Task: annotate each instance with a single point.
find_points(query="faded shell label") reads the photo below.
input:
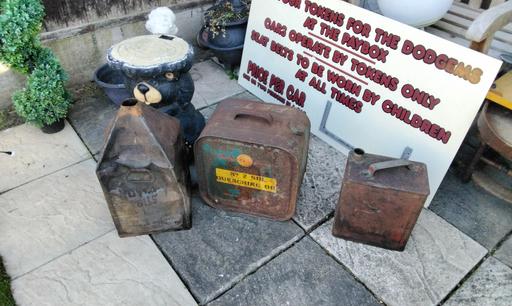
(246, 180)
(244, 160)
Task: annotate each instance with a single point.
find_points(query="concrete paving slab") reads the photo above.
(212, 83)
(321, 185)
(208, 111)
(436, 259)
(473, 211)
(504, 253)
(51, 216)
(222, 248)
(490, 285)
(198, 101)
(36, 154)
(106, 271)
(302, 275)
(246, 95)
(90, 116)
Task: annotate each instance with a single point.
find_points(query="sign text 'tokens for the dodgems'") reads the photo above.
(365, 80)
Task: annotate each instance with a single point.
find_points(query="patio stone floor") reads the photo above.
(60, 246)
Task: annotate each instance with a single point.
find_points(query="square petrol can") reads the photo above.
(380, 200)
(143, 173)
(251, 158)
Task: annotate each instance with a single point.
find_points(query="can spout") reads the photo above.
(358, 154)
(131, 106)
(129, 103)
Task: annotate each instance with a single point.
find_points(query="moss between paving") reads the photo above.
(6, 298)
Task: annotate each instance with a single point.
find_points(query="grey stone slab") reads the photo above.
(504, 253)
(321, 185)
(50, 216)
(90, 116)
(302, 275)
(475, 212)
(222, 248)
(106, 271)
(212, 84)
(246, 95)
(436, 259)
(36, 154)
(198, 101)
(490, 285)
(208, 111)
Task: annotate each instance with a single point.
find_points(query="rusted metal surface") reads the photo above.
(143, 172)
(495, 128)
(251, 158)
(380, 200)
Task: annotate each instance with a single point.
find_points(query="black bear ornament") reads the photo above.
(156, 70)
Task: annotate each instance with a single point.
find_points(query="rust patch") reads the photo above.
(380, 200)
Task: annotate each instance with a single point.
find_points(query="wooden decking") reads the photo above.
(454, 24)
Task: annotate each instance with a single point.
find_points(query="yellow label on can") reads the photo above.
(246, 180)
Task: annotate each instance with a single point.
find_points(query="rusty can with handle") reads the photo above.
(143, 172)
(380, 200)
(251, 158)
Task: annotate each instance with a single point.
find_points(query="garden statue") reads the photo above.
(155, 70)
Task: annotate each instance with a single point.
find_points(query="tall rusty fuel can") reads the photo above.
(143, 172)
(380, 200)
(251, 158)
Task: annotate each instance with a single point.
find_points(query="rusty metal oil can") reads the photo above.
(380, 200)
(143, 172)
(251, 158)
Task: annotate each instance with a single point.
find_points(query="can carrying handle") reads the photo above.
(267, 117)
(387, 165)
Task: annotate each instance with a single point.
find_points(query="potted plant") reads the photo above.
(225, 24)
(45, 101)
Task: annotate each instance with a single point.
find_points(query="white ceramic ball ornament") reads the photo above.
(416, 13)
(162, 21)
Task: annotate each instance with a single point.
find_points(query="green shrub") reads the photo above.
(45, 99)
(6, 298)
(20, 24)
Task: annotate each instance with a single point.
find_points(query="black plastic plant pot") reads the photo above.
(54, 127)
(233, 34)
(112, 83)
(229, 56)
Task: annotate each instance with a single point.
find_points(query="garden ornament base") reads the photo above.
(156, 71)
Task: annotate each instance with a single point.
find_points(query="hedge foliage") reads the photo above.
(45, 99)
(20, 24)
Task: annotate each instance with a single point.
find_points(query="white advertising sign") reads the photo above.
(365, 80)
